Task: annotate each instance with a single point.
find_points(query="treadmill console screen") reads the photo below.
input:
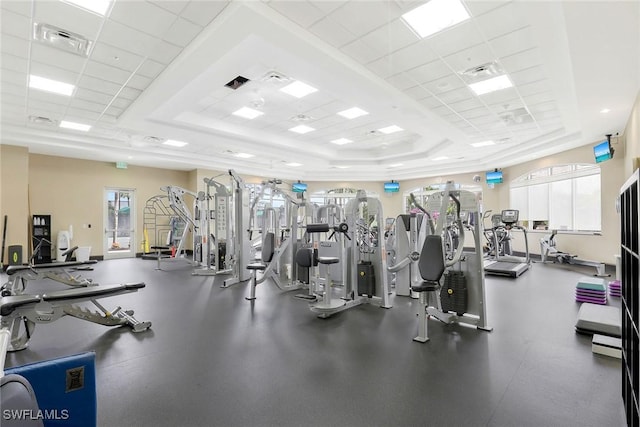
(510, 216)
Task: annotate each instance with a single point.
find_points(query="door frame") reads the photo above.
(131, 253)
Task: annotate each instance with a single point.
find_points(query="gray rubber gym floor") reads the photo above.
(214, 359)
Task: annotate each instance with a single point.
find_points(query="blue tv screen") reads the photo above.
(299, 187)
(603, 151)
(494, 177)
(391, 187)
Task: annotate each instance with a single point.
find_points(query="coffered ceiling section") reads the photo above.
(318, 90)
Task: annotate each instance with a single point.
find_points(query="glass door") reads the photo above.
(119, 223)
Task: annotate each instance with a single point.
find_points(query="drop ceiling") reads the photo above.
(156, 70)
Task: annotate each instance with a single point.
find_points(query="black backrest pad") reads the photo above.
(431, 262)
(268, 247)
(304, 257)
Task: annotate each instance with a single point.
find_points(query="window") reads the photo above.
(422, 194)
(563, 197)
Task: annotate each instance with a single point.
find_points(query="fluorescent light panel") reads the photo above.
(298, 89)
(174, 143)
(293, 164)
(352, 113)
(482, 144)
(435, 16)
(74, 126)
(53, 86)
(247, 113)
(97, 6)
(396, 165)
(302, 129)
(341, 141)
(491, 85)
(390, 129)
(244, 155)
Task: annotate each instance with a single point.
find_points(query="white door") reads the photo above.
(119, 223)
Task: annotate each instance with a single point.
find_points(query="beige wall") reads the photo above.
(14, 190)
(72, 192)
(632, 140)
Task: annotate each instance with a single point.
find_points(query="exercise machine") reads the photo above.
(508, 265)
(451, 284)
(238, 249)
(501, 237)
(176, 197)
(549, 253)
(361, 260)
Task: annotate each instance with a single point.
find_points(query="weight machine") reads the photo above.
(238, 249)
(550, 254)
(177, 203)
(460, 297)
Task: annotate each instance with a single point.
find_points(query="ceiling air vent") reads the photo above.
(39, 120)
(515, 117)
(275, 77)
(482, 71)
(61, 39)
(153, 139)
(237, 82)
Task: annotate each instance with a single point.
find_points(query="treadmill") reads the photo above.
(508, 265)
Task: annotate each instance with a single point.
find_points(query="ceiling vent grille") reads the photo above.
(482, 71)
(40, 120)
(237, 82)
(515, 117)
(275, 77)
(61, 39)
(154, 139)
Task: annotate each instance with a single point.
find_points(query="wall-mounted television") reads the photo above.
(603, 151)
(299, 187)
(494, 177)
(391, 187)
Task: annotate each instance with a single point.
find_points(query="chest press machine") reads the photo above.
(461, 298)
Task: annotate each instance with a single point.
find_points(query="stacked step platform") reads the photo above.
(592, 290)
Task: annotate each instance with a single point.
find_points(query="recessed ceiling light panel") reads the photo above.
(244, 155)
(390, 129)
(491, 85)
(247, 113)
(49, 85)
(482, 144)
(293, 164)
(75, 126)
(435, 16)
(174, 143)
(96, 6)
(352, 113)
(302, 129)
(341, 141)
(298, 89)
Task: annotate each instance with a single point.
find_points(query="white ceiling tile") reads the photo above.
(68, 17)
(85, 116)
(455, 39)
(444, 84)
(143, 16)
(456, 95)
(174, 7)
(477, 8)
(328, 6)
(139, 82)
(107, 54)
(15, 24)
(15, 46)
(363, 17)
(499, 96)
(429, 72)
(417, 92)
(87, 105)
(55, 73)
(14, 78)
(91, 95)
(40, 102)
(521, 60)
(501, 20)
(9, 88)
(98, 85)
(126, 38)
(466, 105)
(534, 88)
(401, 81)
(506, 105)
(14, 63)
(203, 12)
(362, 51)
(384, 67)
(301, 12)
(130, 93)
(121, 103)
(151, 69)
(16, 100)
(332, 32)
(471, 57)
(164, 52)
(182, 32)
(391, 37)
(529, 75)
(114, 111)
(514, 42)
(17, 6)
(107, 118)
(106, 72)
(475, 113)
(430, 102)
(413, 56)
(49, 55)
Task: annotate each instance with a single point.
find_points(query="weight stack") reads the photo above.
(366, 279)
(453, 294)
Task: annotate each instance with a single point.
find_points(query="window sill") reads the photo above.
(578, 233)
